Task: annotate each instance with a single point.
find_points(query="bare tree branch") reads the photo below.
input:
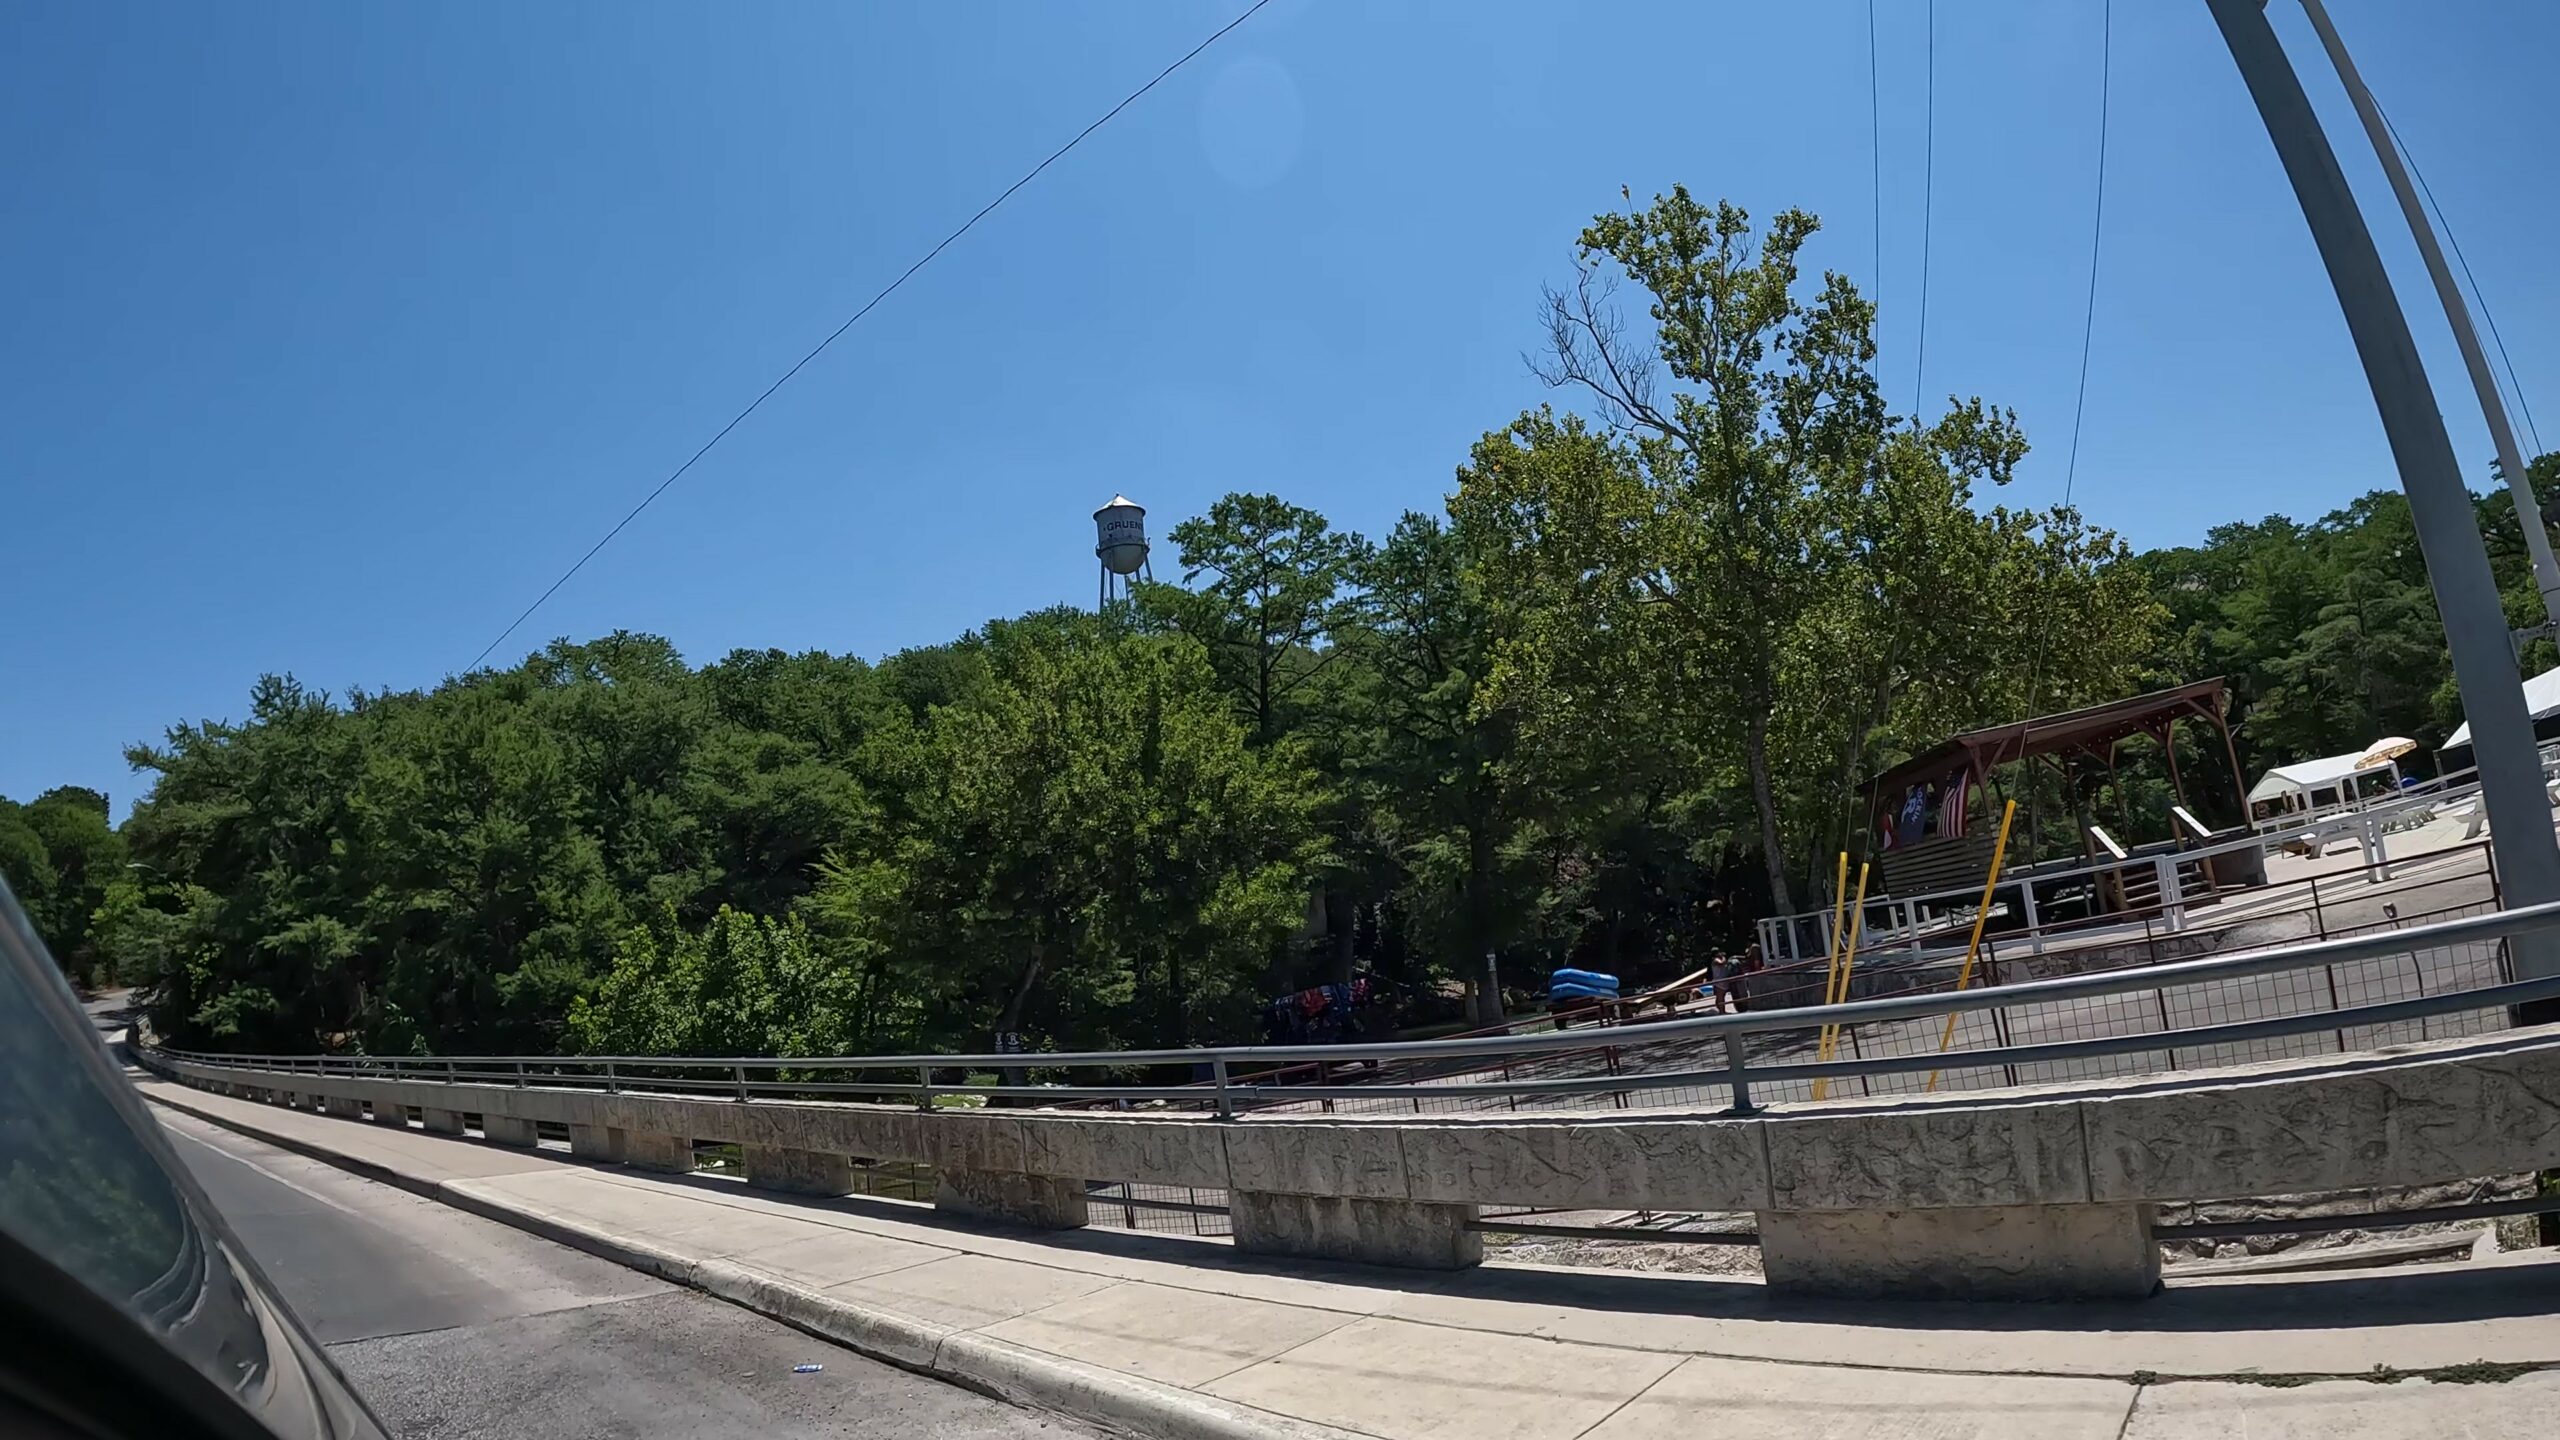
(1586, 345)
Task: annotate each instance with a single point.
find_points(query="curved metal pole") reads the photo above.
(2475, 623)
(2493, 409)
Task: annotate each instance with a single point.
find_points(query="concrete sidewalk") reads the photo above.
(1175, 1336)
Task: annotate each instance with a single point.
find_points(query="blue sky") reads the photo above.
(334, 332)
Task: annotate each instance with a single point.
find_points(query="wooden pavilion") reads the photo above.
(1935, 816)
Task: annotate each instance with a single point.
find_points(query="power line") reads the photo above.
(1928, 206)
(2088, 320)
(1875, 185)
(2097, 228)
(1875, 179)
(1875, 153)
(2482, 301)
(886, 291)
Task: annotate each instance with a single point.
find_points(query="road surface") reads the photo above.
(455, 1326)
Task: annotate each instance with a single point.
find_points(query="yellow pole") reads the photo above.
(1839, 901)
(1836, 994)
(1981, 914)
(1838, 990)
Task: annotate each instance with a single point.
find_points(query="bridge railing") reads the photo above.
(2446, 977)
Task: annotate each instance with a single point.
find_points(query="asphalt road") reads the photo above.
(454, 1326)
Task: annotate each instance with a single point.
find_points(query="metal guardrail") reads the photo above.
(735, 1077)
(2080, 939)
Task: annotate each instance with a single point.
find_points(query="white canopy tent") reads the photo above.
(2298, 787)
(2541, 697)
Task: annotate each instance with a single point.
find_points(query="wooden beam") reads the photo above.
(2124, 804)
(2035, 839)
(2239, 782)
(2071, 803)
(2169, 744)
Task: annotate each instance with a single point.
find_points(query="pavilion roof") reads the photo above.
(2094, 728)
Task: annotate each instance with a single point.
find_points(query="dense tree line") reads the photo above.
(67, 866)
(2328, 630)
(1608, 704)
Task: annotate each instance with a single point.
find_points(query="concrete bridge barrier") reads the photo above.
(2037, 1193)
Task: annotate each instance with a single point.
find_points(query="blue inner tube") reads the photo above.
(1578, 992)
(1592, 978)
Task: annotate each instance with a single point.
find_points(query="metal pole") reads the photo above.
(2537, 540)
(1733, 1073)
(2172, 898)
(2475, 625)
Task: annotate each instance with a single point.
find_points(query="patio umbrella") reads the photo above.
(2385, 750)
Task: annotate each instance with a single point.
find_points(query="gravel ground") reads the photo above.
(1628, 1255)
(2515, 1233)
(1669, 1257)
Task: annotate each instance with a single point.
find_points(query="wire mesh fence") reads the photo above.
(2343, 901)
(1160, 1209)
(1684, 1071)
(894, 1179)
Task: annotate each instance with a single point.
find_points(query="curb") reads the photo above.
(1000, 1369)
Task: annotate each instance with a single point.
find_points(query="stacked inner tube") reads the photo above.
(1566, 986)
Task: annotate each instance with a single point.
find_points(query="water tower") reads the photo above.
(1120, 543)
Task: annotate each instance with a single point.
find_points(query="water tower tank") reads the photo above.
(1120, 535)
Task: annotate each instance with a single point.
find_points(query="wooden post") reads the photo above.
(2035, 837)
(2239, 782)
(2169, 744)
(2071, 803)
(2124, 803)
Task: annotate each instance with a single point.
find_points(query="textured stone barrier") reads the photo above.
(2041, 1192)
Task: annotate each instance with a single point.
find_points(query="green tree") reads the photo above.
(1740, 482)
(251, 820)
(2328, 631)
(1761, 537)
(741, 985)
(1278, 581)
(61, 856)
(26, 865)
(1437, 760)
(1090, 851)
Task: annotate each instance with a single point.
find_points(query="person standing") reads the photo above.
(1720, 980)
(1750, 965)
